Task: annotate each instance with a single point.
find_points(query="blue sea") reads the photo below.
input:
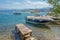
(8, 21)
(7, 17)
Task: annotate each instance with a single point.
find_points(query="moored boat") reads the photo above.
(17, 13)
(38, 19)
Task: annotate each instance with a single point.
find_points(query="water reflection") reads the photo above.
(37, 25)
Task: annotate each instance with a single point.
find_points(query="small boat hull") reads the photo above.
(17, 13)
(36, 21)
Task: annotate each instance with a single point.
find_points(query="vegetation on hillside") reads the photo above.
(56, 7)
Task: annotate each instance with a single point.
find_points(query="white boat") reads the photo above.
(38, 19)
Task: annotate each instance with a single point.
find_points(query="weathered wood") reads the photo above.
(23, 31)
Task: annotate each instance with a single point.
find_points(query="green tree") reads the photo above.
(56, 6)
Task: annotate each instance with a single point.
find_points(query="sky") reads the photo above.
(23, 4)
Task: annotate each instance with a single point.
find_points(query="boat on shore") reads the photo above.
(24, 32)
(38, 19)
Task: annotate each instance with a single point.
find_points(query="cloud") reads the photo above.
(38, 4)
(26, 4)
(16, 3)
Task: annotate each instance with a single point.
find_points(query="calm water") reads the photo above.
(8, 21)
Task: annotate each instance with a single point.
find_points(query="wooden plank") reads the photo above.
(23, 29)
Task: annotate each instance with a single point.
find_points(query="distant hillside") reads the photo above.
(25, 10)
(41, 10)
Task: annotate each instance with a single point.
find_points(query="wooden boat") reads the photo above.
(38, 19)
(24, 32)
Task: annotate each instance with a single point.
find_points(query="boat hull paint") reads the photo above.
(35, 21)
